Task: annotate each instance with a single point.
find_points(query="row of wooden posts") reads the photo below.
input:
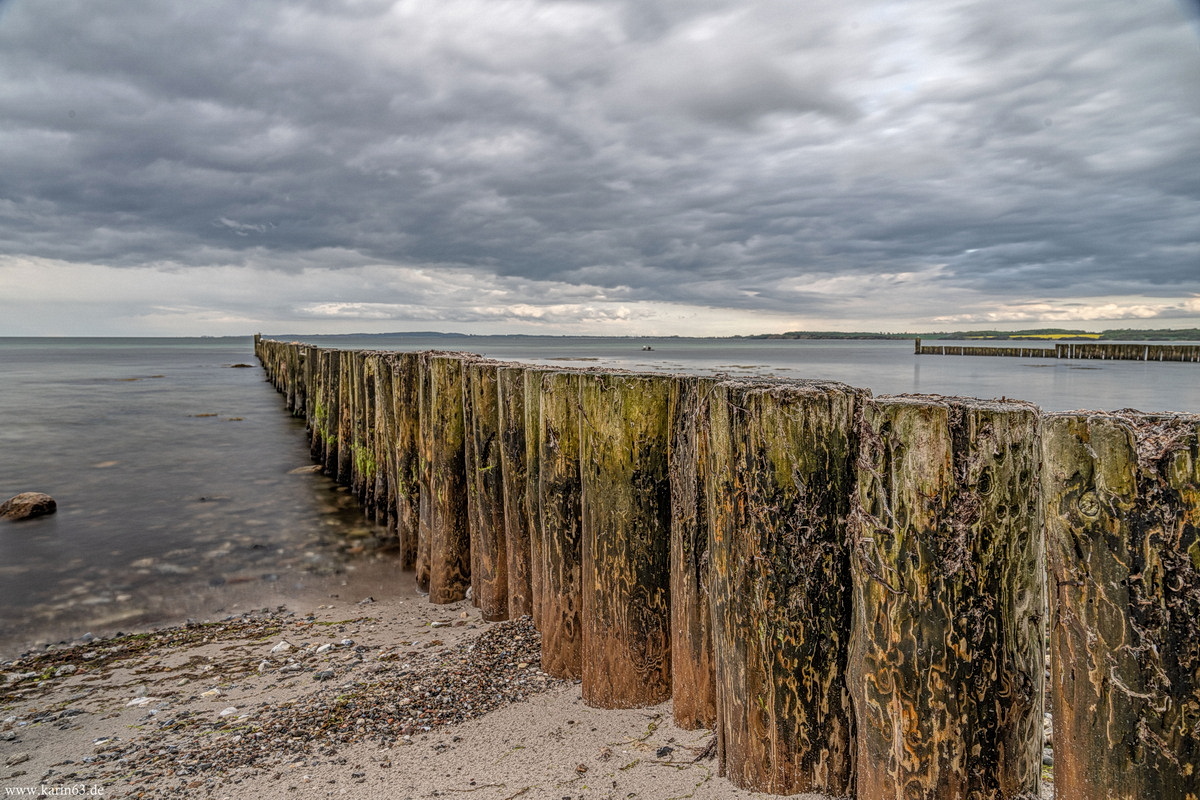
(1103, 351)
(850, 590)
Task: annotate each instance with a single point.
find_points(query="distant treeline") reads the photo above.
(1055, 334)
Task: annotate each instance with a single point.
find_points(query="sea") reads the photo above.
(185, 490)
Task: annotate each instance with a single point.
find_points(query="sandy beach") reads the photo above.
(394, 698)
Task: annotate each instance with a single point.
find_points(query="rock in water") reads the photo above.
(28, 505)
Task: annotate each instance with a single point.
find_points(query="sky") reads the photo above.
(606, 167)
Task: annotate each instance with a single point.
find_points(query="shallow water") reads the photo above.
(172, 471)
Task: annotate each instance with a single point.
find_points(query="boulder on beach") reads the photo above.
(28, 505)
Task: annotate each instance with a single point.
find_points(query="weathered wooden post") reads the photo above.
(626, 503)
(514, 465)
(485, 491)
(560, 501)
(333, 412)
(1122, 508)
(533, 500)
(444, 438)
(365, 466)
(345, 420)
(778, 487)
(427, 434)
(947, 657)
(385, 436)
(406, 399)
(693, 698)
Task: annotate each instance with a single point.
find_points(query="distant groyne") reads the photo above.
(852, 591)
(1086, 350)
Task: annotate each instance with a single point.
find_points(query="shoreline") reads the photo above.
(395, 698)
(147, 715)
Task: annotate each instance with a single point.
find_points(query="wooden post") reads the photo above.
(560, 500)
(449, 538)
(514, 466)
(533, 502)
(485, 491)
(363, 425)
(947, 657)
(425, 446)
(693, 698)
(626, 506)
(333, 413)
(1122, 508)
(344, 473)
(779, 481)
(406, 399)
(384, 451)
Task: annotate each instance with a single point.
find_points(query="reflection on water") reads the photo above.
(183, 490)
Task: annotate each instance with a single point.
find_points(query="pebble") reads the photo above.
(65, 669)
(282, 647)
(323, 675)
(325, 648)
(140, 701)
(211, 693)
(16, 758)
(228, 712)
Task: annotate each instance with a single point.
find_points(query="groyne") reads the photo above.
(852, 591)
(1084, 350)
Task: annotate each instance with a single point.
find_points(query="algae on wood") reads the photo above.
(449, 538)
(947, 659)
(406, 441)
(693, 698)
(779, 480)
(1122, 510)
(560, 500)
(625, 549)
(485, 491)
(425, 445)
(515, 470)
(533, 501)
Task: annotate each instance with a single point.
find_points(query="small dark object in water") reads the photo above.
(28, 505)
(647, 347)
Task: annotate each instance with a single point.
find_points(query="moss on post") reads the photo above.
(947, 660)
(779, 480)
(626, 644)
(560, 500)
(385, 453)
(1122, 509)
(514, 468)
(533, 500)
(406, 399)
(485, 491)
(693, 698)
(448, 539)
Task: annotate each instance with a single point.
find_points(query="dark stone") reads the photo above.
(28, 505)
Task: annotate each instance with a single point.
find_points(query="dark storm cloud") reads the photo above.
(718, 154)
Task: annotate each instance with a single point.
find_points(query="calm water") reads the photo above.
(174, 470)
(884, 367)
(172, 474)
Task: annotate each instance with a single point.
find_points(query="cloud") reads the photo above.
(510, 157)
